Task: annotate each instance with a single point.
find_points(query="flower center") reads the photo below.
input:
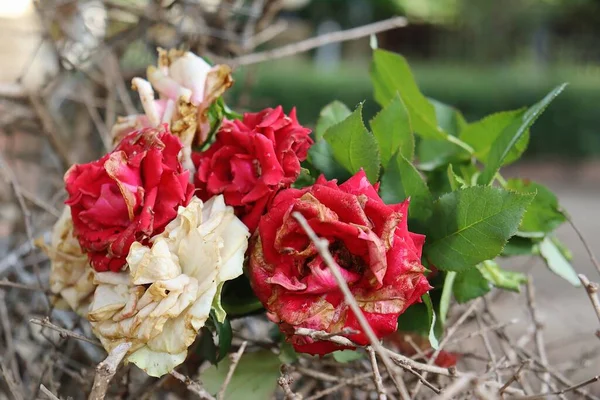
(345, 259)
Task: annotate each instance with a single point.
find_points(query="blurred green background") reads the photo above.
(480, 56)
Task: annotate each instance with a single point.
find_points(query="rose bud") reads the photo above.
(165, 297)
(377, 255)
(251, 160)
(187, 86)
(71, 276)
(128, 195)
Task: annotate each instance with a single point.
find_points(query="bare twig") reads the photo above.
(193, 386)
(50, 131)
(488, 347)
(583, 240)
(14, 386)
(592, 291)
(9, 352)
(5, 283)
(478, 332)
(235, 359)
(542, 396)
(106, 370)
(449, 334)
(48, 393)
(64, 332)
(457, 387)
(538, 326)
(322, 40)
(342, 384)
(376, 375)
(285, 380)
(514, 378)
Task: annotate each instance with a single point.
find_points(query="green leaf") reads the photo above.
(456, 182)
(500, 278)
(393, 131)
(482, 134)
(333, 113)
(449, 118)
(446, 296)
(346, 356)
(391, 74)
(255, 377)
(304, 179)
(519, 246)
(415, 319)
(225, 335)
(557, 261)
(400, 181)
(511, 135)
(435, 153)
(471, 225)
(206, 346)
(320, 156)
(238, 298)
(469, 285)
(353, 146)
(434, 331)
(217, 308)
(543, 214)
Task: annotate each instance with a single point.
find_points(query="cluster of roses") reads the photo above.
(143, 252)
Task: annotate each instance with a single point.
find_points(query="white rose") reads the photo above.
(187, 86)
(160, 303)
(71, 276)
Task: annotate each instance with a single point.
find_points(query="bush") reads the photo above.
(570, 128)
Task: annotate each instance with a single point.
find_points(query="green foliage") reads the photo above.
(391, 74)
(420, 318)
(501, 278)
(482, 134)
(543, 214)
(471, 225)
(469, 285)
(393, 131)
(434, 327)
(402, 180)
(446, 295)
(346, 356)
(333, 113)
(255, 377)
(424, 149)
(554, 255)
(207, 347)
(505, 142)
(353, 146)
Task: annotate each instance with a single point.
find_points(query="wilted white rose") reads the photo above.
(160, 303)
(71, 276)
(187, 86)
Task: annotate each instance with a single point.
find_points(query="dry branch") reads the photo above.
(63, 332)
(193, 386)
(106, 370)
(319, 41)
(235, 359)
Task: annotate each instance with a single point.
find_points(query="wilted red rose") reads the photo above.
(251, 160)
(128, 195)
(378, 256)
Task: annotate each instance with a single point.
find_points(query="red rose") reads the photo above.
(251, 160)
(128, 195)
(378, 256)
